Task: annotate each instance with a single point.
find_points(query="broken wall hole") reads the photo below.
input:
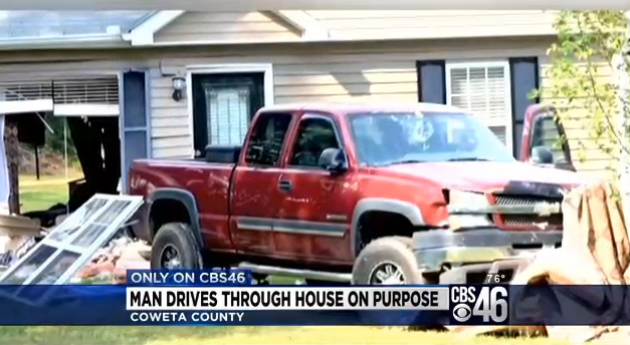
(54, 123)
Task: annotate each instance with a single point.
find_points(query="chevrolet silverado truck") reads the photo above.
(362, 194)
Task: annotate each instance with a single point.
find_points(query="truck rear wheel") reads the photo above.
(175, 248)
(387, 261)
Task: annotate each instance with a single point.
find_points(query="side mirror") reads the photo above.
(541, 155)
(333, 160)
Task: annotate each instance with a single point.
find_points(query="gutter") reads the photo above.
(320, 39)
(123, 40)
(74, 42)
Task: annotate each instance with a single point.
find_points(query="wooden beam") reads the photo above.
(310, 27)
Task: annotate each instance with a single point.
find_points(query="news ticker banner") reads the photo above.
(229, 298)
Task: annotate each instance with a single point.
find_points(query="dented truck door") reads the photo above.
(255, 198)
(544, 139)
(317, 208)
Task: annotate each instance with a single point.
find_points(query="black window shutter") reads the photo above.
(431, 81)
(524, 77)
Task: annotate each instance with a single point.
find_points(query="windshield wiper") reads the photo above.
(402, 161)
(468, 159)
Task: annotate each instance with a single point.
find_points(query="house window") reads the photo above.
(483, 88)
(228, 114)
(223, 107)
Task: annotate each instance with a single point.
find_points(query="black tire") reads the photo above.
(378, 254)
(180, 237)
(395, 251)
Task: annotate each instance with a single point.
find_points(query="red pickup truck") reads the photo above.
(363, 194)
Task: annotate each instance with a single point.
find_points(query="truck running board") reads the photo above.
(297, 273)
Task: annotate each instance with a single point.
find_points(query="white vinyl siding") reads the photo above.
(483, 88)
(397, 24)
(228, 116)
(227, 27)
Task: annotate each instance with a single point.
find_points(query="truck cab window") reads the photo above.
(314, 136)
(267, 137)
(547, 133)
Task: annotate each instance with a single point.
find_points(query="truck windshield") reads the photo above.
(397, 138)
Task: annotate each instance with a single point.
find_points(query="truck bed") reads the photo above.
(208, 183)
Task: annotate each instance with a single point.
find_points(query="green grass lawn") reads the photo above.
(35, 198)
(244, 335)
(41, 194)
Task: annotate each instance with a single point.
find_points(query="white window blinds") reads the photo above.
(96, 95)
(228, 115)
(483, 88)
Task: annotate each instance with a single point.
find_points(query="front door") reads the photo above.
(316, 212)
(223, 107)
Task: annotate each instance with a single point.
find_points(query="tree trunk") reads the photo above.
(13, 161)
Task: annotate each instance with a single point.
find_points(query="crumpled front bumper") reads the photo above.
(478, 255)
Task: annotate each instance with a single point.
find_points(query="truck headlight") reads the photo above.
(462, 199)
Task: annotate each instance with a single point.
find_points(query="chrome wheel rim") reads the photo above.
(170, 258)
(387, 273)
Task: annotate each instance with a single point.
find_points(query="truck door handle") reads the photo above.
(285, 185)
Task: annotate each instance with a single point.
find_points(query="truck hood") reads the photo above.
(486, 176)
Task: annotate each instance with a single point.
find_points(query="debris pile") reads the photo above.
(109, 265)
(100, 222)
(595, 251)
(17, 236)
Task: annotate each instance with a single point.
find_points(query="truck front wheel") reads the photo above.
(387, 261)
(175, 248)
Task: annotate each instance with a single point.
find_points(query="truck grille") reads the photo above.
(525, 221)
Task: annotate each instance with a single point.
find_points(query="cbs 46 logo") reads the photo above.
(488, 302)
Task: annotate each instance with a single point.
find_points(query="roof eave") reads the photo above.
(322, 40)
(144, 32)
(70, 42)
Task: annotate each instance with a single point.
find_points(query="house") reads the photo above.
(174, 81)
